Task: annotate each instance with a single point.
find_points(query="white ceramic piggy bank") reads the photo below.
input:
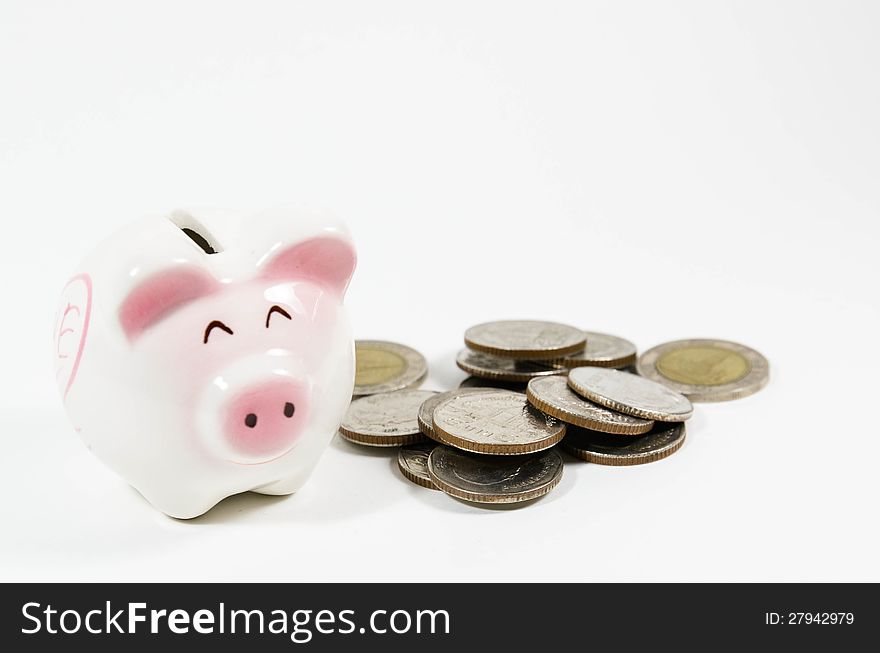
(208, 353)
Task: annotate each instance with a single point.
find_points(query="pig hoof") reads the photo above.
(279, 488)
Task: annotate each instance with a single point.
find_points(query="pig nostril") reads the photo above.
(288, 409)
(250, 420)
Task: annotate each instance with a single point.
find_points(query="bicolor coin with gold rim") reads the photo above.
(706, 370)
(382, 366)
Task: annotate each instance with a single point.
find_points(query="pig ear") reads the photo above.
(158, 296)
(327, 260)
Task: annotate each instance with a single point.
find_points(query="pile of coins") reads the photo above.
(537, 387)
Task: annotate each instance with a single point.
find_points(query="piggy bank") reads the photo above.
(208, 353)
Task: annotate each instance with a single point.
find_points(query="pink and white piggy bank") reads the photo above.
(204, 354)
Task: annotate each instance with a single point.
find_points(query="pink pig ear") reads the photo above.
(160, 295)
(327, 260)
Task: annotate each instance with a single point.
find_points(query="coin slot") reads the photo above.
(196, 232)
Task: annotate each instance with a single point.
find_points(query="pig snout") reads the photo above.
(264, 420)
(255, 409)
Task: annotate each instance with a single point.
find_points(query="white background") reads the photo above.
(654, 170)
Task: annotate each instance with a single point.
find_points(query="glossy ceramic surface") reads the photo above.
(208, 353)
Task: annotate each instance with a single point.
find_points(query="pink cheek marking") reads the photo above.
(162, 294)
(265, 420)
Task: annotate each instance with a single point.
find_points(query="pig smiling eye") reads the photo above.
(280, 311)
(216, 324)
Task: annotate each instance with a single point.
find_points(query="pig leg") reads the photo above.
(284, 486)
(292, 483)
(182, 504)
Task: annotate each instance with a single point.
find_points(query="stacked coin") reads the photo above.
(489, 446)
(537, 358)
(537, 387)
(620, 418)
(385, 409)
(484, 449)
(511, 353)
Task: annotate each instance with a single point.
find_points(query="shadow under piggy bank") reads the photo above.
(332, 494)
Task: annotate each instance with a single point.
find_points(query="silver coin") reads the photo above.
(706, 370)
(412, 460)
(386, 366)
(602, 350)
(389, 419)
(426, 410)
(525, 339)
(494, 479)
(495, 422)
(477, 382)
(630, 394)
(487, 366)
(595, 447)
(553, 396)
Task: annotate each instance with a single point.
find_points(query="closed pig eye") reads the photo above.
(216, 324)
(280, 311)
